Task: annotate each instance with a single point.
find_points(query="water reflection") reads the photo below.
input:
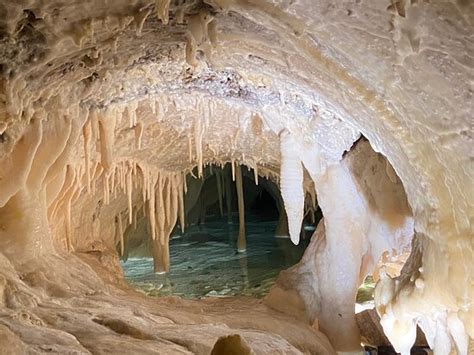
(204, 262)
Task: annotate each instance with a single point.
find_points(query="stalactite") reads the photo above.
(198, 143)
(219, 193)
(190, 148)
(162, 10)
(129, 194)
(161, 218)
(120, 233)
(152, 216)
(181, 186)
(185, 183)
(114, 185)
(291, 184)
(241, 242)
(228, 197)
(144, 184)
(232, 166)
(174, 210)
(121, 170)
(106, 188)
(167, 201)
(168, 204)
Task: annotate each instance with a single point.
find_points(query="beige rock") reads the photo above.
(104, 110)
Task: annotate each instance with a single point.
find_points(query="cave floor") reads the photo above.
(73, 319)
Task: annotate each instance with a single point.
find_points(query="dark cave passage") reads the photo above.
(204, 260)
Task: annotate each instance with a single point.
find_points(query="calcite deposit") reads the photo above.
(111, 113)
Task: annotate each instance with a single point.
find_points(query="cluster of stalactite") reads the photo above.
(188, 198)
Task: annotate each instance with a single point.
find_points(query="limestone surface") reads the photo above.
(107, 108)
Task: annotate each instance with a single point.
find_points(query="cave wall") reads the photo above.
(94, 96)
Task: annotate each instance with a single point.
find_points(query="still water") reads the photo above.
(205, 263)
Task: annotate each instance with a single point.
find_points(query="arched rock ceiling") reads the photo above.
(394, 72)
(399, 72)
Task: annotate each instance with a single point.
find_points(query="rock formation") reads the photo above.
(106, 110)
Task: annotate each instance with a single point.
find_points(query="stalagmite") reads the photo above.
(291, 184)
(120, 234)
(241, 241)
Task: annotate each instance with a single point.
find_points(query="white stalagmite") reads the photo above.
(291, 184)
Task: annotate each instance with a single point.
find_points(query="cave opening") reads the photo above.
(205, 259)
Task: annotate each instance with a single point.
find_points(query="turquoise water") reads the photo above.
(205, 263)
